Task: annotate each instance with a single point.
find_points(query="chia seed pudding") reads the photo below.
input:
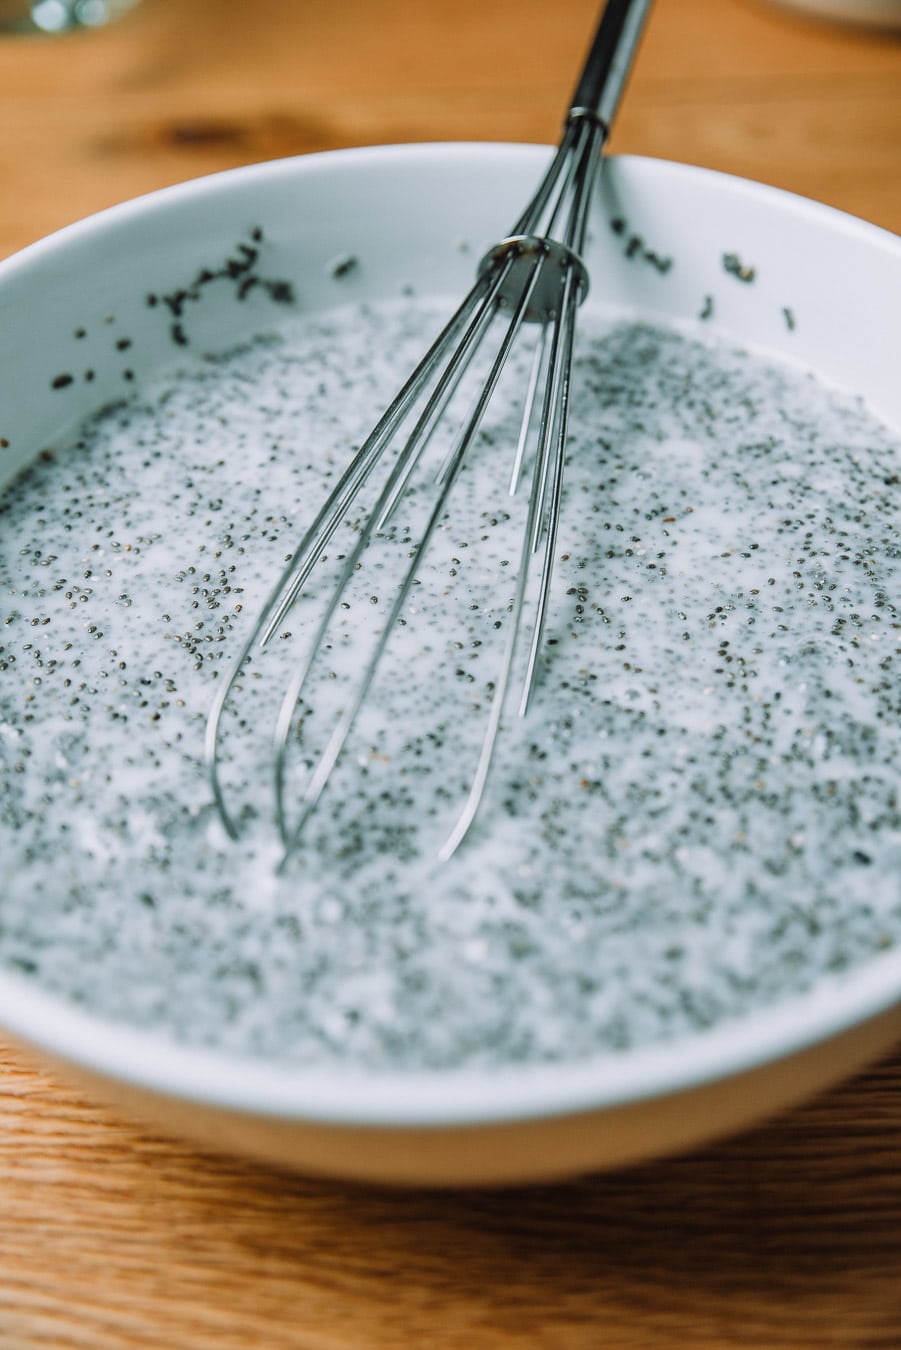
(699, 815)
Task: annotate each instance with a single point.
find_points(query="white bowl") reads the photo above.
(827, 293)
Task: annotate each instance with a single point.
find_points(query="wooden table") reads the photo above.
(785, 1238)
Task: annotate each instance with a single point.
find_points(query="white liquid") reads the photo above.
(698, 816)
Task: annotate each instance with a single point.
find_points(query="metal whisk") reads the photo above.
(536, 276)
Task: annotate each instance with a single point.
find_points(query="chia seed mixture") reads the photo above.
(699, 815)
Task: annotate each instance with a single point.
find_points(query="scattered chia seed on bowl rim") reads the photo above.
(698, 817)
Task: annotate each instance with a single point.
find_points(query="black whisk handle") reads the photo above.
(609, 61)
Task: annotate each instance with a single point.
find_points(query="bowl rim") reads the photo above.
(350, 1094)
(347, 159)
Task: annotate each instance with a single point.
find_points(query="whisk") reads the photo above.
(536, 276)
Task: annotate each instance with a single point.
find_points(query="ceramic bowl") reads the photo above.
(826, 293)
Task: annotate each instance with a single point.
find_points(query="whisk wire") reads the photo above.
(528, 412)
(530, 221)
(517, 609)
(303, 559)
(553, 453)
(361, 467)
(400, 474)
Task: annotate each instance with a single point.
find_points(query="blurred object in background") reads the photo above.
(874, 13)
(58, 16)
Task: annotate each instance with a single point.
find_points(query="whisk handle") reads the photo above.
(609, 60)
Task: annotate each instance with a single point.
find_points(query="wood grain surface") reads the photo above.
(110, 1237)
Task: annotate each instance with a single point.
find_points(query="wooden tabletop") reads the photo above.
(784, 1238)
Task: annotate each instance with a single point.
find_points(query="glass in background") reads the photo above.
(59, 16)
